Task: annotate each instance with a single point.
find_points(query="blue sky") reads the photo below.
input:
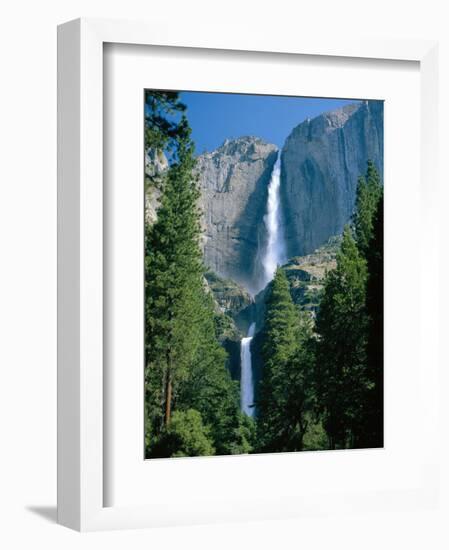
(215, 116)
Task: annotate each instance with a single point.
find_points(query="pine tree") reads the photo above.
(162, 128)
(368, 229)
(209, 387)
(173, 273)
(341, 347)
(300, 387)
(185, 364)
(369, 190)
(283, 392)
(373, 415)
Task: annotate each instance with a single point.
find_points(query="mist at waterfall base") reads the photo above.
(274, 255)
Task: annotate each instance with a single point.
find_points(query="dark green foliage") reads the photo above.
(372, 432)
(369, 191)
(322, 385)
(341, 346)
(370, 244)
(210, 390)
(165, 126)
(162, 128)
(185, 436)
(285, 391)
(185, 374)
(349, 368)
(173, 283)
(278, 349)
(315, 437)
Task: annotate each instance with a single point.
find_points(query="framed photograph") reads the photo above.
(241, 331)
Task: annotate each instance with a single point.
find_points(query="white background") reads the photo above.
(28, 271)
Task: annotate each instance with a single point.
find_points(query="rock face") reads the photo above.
(234, 180)
(229, 296)
(232, 309)
(306, 275)
(321, 161)
(156, 166)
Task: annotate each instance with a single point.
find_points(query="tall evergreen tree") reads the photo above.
(209, 387)
(341, 346)
(283, 393)
(373, 416)
(300, 389)
(173, 275)
(368, 230)
(162, 127)
(369, 191)
(185, 364)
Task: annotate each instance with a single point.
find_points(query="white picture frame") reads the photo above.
(81, 490)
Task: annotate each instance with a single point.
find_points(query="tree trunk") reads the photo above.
(302, 430)
(168, 380)
(168, 398)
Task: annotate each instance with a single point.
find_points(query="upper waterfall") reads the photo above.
(275, 253)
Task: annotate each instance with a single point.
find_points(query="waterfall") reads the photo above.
(274, 254)
(246, 379)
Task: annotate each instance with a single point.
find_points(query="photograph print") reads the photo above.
(263, 274)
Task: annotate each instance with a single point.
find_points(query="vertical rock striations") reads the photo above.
(321, 161)
(234, 180)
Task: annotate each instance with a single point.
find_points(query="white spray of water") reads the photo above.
(274, 255)
(246, 380)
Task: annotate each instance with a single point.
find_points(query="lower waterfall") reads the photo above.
(246, 378)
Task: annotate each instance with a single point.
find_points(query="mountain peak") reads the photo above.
(249, 147)
(325, 122)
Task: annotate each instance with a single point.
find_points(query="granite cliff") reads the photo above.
(321, 161)
(156, 166)
(234, 180)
